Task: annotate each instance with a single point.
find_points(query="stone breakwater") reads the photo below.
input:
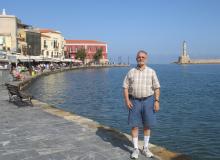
(204, 61)
(30, 133)
(187, 60)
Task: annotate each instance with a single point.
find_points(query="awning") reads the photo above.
(2, 55)
(56, 60)
(3, 60)
(12, 58)
(47, 60)
(36, 58)
(22, 58)
(76, 60)
(67, 60)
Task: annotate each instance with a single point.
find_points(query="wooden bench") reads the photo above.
(15, 94)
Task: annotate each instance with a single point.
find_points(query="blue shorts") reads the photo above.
(142, 113)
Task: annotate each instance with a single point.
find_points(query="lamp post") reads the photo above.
(29, 50)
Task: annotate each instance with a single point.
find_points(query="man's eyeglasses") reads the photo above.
(141, 57)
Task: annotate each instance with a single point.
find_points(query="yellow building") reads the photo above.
(52, 44)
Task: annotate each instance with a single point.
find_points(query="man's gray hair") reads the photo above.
(142, 51)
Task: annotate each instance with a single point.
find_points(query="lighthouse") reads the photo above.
(184, 58)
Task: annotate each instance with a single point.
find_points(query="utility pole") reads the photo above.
(119, 60)
(128, 61)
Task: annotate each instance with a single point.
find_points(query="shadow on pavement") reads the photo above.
(22, 103)
(117, 139)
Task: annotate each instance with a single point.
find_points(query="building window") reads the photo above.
(45, 44)
(55, 44)
(2, 40)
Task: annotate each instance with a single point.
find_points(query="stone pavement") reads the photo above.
(30, 133)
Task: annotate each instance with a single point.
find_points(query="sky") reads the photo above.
(156, 26)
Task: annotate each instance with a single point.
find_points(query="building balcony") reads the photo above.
(21, 39)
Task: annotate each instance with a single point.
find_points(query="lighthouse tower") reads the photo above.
(184, 58)
(184, 49)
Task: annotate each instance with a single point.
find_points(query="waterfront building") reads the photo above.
(90, 46)
(29, 42)
(20, 42)
(18, 38)
(8, 32)
(52, 44)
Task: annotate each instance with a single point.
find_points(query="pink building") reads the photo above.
(90, 46)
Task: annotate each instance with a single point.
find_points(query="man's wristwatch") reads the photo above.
(156, 100)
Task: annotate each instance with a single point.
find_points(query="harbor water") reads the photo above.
(189, 118)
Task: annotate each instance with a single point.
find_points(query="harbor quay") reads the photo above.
(45, 132)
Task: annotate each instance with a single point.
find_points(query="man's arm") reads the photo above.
(126, 99)
(157, 100)
(157, 94)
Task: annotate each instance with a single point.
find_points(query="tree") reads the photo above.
(81, 54)
(98, 55)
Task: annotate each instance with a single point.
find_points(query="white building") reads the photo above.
(8, 32)
(52, 44)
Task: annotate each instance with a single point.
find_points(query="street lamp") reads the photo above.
(29, 50)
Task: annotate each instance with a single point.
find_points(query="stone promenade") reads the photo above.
(46, 133)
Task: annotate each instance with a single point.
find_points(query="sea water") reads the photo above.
(189, 118)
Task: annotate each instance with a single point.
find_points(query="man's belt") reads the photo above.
(140, 99)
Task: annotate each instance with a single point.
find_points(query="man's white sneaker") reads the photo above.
(135, 153)
(146, 152)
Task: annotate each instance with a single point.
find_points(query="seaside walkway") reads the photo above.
(31, 133)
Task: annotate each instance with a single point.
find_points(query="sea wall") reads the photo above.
(205, 61)
(199, 61)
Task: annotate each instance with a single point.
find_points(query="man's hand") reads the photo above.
(127, 100)
(156, 98)
(156, 106)
(128, 104)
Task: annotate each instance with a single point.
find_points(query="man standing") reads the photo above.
(141, 95)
